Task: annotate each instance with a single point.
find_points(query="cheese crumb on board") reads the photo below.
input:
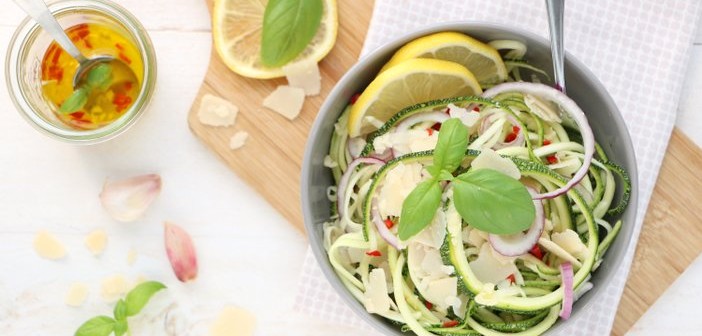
(233, 321)
(286, 100)
(48, 247)
(131, 257)
(215, 111)
(113, 288)
(238, 140)
(304, 75)
(96, 241)
(76, 295)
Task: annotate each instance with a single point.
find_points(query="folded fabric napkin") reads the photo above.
(639, 50)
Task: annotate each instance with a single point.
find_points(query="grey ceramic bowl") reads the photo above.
(583, 87)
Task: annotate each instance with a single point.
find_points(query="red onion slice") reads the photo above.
(344, 181)
(567, 105)
(436, 117)
(520, 243)
(383, 230)
(567, 275)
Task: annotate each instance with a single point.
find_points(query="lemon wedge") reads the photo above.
(236, 29)
(481, 59)
(407, 83)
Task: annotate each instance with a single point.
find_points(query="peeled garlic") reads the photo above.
(181, 252)
(127, 200)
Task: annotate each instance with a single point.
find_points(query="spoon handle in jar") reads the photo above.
(39, 12)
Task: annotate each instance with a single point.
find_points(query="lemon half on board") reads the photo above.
(481, 59)
(409, 82)
(237, 26)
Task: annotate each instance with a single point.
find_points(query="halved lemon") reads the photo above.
(481, 59)
(236, 29)
(410, 82)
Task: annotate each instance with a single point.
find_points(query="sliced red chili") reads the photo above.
(124, 57)
(512, 279)
(389, 223)
(476, 109)
(516, 129)
(430, 131)
(510, 137)
(552, 159)
(436, 127)
(536, 252)
(374, 253)
(354, 98)
(428, 305)
(448, 110)
(449, 324)
(547, 142)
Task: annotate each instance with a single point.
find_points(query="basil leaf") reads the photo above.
(140, 295)
(75, 101)
(493, 202)
(419, 208)
(99, 76)
(121, 328)
(288, 26)
(120, 310)
(96, 326)
(450, 148)
(445, 176)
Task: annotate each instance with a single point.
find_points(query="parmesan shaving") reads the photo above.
(304, 75)
(76, 295)
(234, 321)
(489, 159)
(48, 247)
(217, 112)
(376, 295)
(238, 140)
(96, 241)
(286, 100)
(113, 288)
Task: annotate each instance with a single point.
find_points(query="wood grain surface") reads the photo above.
(271, 160)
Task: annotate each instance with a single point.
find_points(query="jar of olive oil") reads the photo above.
(40, 73)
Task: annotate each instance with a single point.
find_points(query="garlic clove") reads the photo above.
(126, 200)
(181, 252)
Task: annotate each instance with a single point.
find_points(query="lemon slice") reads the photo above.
(481, 59)
(407, 83)
(236, 29)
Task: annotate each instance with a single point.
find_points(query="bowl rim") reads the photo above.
(385, 50)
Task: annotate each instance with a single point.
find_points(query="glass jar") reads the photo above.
(30, 43)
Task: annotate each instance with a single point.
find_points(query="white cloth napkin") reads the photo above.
(639, 49)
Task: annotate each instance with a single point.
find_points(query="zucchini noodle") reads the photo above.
(450, 278)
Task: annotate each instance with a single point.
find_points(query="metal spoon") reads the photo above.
(39, 12)
(555, 26)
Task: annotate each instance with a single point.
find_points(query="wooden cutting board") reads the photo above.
(271, 160)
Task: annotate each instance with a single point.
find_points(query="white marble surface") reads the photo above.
(250, 257)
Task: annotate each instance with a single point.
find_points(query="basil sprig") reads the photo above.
(131, 305)
(487, 199)
(288, 26)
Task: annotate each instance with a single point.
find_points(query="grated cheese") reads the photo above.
(215, 111)
(304, 75)
(286, 100)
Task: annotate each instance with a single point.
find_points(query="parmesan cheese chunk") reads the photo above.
(304, 75)
(489, 159)
(376, 297)
(442, 292)
(414, 140)
(489, 269)
(233, 321)
(286, 100)
(96, 241)
(48, 247)
(570, 241)
(238, 140)
(468, 118)
(215, 111)
(76, 295)
(113, 288)
(399, 182)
